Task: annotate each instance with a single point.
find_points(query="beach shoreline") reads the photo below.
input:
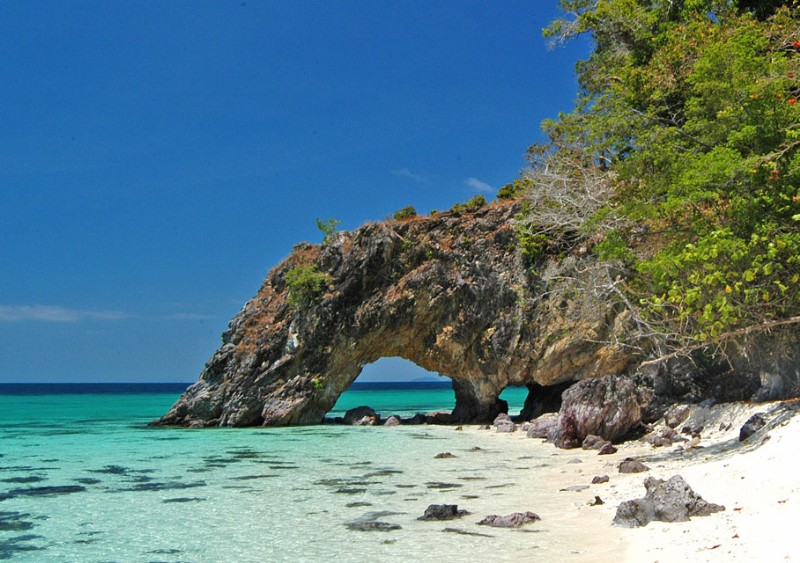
(755, 481)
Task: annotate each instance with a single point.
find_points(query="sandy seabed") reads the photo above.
(757, 482)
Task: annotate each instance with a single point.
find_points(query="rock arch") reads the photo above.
(452, 293)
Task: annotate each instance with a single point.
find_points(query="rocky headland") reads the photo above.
(458, 293)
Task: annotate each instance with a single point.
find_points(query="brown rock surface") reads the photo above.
(452, 293)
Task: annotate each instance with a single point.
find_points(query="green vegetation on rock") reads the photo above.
(305, 282)
(406, 212)
(470, 206)
(328, 228)
(515, 189)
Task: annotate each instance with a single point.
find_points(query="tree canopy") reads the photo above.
(688, 125)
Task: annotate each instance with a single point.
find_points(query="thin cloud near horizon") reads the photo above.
(55, 314)
(59, 314)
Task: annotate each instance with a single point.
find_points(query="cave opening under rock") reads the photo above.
(399, 387)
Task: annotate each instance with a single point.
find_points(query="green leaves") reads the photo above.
(305, 282)
(693, 107)
(328, 228)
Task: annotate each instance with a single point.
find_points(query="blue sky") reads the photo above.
(157, 158)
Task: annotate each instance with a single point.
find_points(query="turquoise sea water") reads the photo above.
(82, 478)
(407, 399)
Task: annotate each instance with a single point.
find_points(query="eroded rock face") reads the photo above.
(452, 293)
(606, 407)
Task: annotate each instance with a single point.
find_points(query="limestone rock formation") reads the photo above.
(666, 501)
(453, 293)
(608, 407)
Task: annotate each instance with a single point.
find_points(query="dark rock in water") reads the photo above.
(357, 414)
(14, 522)
(254, 477)
(42, 491)
(610, 407)
(88, 481)
(632, 466)
(596, 480)
(350, 491)
(596, 502)
(607, 449)
(22, 480)
(182, 500)
(439, 417)
(418, 418)
(357, 504)
(392, 421)
(442, 512)
(164, 486)
(441, 486)
(753, 425)
(443, 455)
(665, 501)
(513, 520)
(112, 470)
(466, 532)
(377, 515)
(373, 526)
(11, 546)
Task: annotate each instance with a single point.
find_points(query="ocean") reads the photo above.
(84, 479)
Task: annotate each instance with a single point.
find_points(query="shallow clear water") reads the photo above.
(83, 479)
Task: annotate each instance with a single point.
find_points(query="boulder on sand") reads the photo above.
(665, 501)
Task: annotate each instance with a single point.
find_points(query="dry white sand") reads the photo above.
(759, 489)
(757, 485)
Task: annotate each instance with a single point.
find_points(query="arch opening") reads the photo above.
(515, 397)
(393, 386)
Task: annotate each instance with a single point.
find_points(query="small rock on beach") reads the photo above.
(513, 520)
(665, 501)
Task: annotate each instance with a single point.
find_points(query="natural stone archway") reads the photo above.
(452, 293)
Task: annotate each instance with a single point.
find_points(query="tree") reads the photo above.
(688, 125)
(406, 212)
(328, 228)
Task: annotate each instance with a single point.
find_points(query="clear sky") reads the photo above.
(157, 158)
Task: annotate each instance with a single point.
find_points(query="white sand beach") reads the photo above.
(758, 485)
